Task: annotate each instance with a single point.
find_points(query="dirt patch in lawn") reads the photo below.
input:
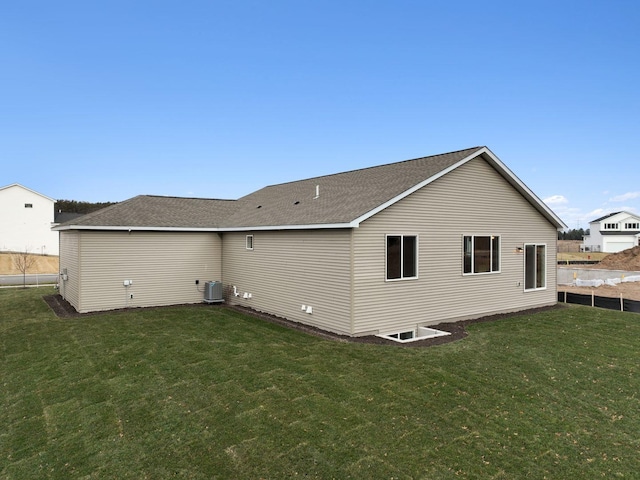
(458, 330)
(626, 260)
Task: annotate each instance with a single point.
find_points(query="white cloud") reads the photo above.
(556, 200)
(593, 214)
(628, 208)
(624, 197)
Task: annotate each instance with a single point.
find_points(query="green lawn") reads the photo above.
(192, 392)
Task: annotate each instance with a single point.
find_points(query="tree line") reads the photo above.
(573, 234)
(74, 206)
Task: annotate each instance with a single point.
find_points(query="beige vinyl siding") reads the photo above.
(288, 269)
(162, 265)
(69, 289)
(471, 200)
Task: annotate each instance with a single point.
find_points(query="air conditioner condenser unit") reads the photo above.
(213, 292)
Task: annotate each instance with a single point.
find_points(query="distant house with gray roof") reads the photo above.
(613, 233)
(380, 250)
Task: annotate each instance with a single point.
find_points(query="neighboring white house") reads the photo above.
(26, 218)
(613, 233)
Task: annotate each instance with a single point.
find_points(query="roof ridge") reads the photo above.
(614, 213)
(190, 198)
(375, 166)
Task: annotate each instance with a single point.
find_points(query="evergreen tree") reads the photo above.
(74, 206)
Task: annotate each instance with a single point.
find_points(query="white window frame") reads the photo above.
(248, 242)
(631, 226)
(473, 249)
(386, 256)
(544, 264)
(611, 226)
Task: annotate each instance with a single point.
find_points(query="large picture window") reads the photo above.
(481, 254)
(402, 257)
(535, 272)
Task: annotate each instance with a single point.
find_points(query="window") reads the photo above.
(402, 257)
(632, 226)
(28, 205)
(402, 335)
(535, 272)
(481, 254)
(610, 226)
(249, 242)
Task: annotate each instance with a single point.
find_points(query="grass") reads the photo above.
(192, 392)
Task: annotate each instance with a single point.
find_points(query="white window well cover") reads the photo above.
(421, 333)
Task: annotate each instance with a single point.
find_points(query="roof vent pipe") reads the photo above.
(317, 192)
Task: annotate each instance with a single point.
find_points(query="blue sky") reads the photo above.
(105, 100)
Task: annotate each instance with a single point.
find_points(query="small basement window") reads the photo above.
(421, 333)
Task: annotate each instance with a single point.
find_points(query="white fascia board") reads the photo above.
(29, 190)
(362, 218)
(133, 229)
(523, 189)
(213, 229)
(613, 217)
(288, 227)
(498, 165)
(624, 215)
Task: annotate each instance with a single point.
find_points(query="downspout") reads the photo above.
(78, 273)
(351, 282)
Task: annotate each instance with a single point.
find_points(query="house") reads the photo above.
(26, 218)
(613, 233)
(372, 251)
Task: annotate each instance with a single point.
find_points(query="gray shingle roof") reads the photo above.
(343, 199)
(605, 216)
(162, 212)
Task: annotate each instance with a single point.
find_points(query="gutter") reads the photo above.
(354, 224)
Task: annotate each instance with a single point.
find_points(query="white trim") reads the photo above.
(426, 332)
(386, 256)
(499, 166)
(355, 223)
(524, 190)
(205, 229)
(29, 190)
(473, 249)
(246, 242)
(286, 227)
(413, 189)
(132, 229)
(524, 260)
